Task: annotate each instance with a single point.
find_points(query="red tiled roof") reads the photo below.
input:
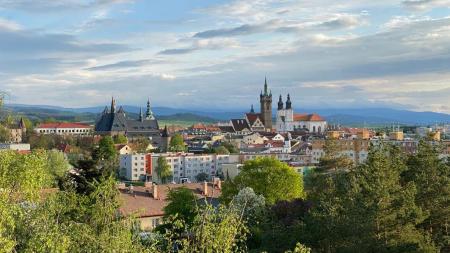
(142, 203)
(198, 126)
(308, 117)
(252, 117)
(63, 125)
(275, 144)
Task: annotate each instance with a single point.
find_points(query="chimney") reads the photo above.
(205, 188)
(155, 191)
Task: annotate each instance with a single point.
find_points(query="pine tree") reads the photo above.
(431, 177)
(369, 209)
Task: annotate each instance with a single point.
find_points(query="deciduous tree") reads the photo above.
(177, 143)
(163, 169)
(269, 177)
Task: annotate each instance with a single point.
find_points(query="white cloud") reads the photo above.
(9, 25)
(422, 5)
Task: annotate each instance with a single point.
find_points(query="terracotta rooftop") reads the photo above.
(142, 204)
(252, 117)
(308, 117)
(63, 125)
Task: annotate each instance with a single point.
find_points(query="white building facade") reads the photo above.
(63, 129)
(288, 121)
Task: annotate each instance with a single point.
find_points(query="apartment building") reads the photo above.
(63, 129)
(136, 167)
(355, 149)
(184, 166)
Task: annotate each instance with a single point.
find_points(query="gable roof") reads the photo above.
(63, 125)
(307, 117)
(239, 124)
(120, 123)
(142, 203)
(252, 117)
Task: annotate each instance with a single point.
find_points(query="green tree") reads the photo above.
(221, 150)
(217, 230)
(368, 209)
(268, 177)
(28, 123)
(5, 135)
(182, 203)
(201, 177)
(300, 248)
(177, 143)
(106, 149)
(333, 160)
(163, 169)
(87, 172)
(251, 205)
(431, 176)
(22, 177)
(120, 139)
(58, 165)
(230, 147)
(141, 145)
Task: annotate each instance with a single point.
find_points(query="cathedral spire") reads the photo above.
(265, 86)
(149, 113)
(141, 115)
(113, 105)
(22, 124)
(121, 110)
(165, 132)
(280, 103)
(252, 110)
(288, 102)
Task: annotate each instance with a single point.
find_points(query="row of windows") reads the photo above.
(64, 131)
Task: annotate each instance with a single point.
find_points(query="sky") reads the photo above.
(215, 54)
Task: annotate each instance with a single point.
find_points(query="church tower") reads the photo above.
(266, 106)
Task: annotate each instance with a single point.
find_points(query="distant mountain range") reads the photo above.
(344, 116)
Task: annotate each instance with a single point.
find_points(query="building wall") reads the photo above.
(150, 223)
(253, 139)
(285, 123)
(63, 131)
(15, 147)
(134, 165)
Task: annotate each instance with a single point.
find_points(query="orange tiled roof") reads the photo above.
(252, 117)
(142, 203)
(307, 117)
(63, 125)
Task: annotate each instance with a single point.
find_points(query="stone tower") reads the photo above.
(266, 106)
(165, 140)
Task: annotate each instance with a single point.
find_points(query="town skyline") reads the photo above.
(326, 54)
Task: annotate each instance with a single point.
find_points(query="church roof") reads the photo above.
(226, 129)
(252, 117)
(119, 122)
(308, 117)
(239, 124)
